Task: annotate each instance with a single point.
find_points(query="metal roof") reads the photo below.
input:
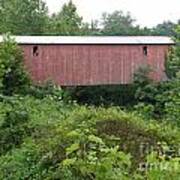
(92, 39)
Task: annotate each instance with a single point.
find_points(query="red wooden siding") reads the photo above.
(73, 65)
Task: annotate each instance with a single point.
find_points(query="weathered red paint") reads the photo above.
(74, 65)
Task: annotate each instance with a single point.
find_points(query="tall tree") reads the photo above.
(167, 28)
(67, 21)
(23, 17)
(118, 23)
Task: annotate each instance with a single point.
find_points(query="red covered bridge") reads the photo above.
(74, 61)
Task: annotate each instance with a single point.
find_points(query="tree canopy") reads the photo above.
(23, 17)
(165, 29)
(117, 23)
(31, 17)
(66, 21)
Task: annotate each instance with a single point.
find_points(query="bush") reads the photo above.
(83, 143)
(13, 129)
(13, 78)
(173, 59)
(157, 100)
(119, 95)
(146, 111)
(172, 102)
(161, 167)
(43, 91)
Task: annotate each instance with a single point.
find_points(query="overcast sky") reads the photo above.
(146, 12)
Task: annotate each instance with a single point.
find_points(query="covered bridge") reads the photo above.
(86, 60)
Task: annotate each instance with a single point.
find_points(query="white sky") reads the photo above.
(146, 12)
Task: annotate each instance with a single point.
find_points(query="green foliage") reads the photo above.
(43, 136)
(31, 17)
(161, 100)
(146, 111)
(22, 164)
(163, 168)
(23, 17)
(173, 60)
(172, 63)
(141, 76)
(77, 142)
(13, 128)
(91, 29)
(119, 95)
(172, 101)
(67, 21)
(166, 28)
(96, 160)
(47, 90)
(117, 23)
(144, 85)
(13, 77)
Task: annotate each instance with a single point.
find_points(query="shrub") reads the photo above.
(172, 102)
(157, 100)
(79, 142)
(119, 95)
(95, 160)
(161, 167)
(145, 87)
(146, 111)
(13, 78)
(45, 90)
(173, 59)
(13, 129)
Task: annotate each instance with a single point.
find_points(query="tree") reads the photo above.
(165, 29)
(13, 77)
(23, 17)
(118, 23)
(67, 21)
(90, 29)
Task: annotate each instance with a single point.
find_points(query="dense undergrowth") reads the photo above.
(92, 133)
(53, 140)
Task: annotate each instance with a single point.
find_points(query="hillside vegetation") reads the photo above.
(47, 139)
